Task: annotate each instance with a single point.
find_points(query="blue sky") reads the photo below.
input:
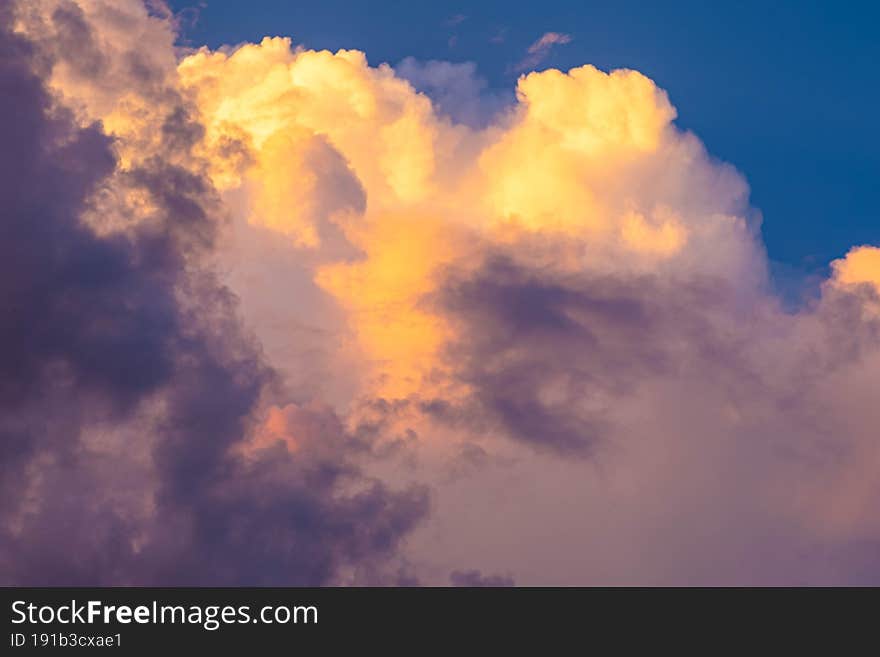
(786, 91)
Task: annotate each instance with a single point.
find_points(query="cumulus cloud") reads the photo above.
(129, 385)
(303, 320)
(861, 266)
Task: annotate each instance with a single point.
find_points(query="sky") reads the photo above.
(354, 294)
(787, 92)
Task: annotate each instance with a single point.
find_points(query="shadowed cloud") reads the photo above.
(127, 384)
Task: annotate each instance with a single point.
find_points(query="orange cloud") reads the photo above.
(860, 266)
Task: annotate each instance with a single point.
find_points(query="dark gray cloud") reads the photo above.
(546, 355)
(527, 330)
(127, 384)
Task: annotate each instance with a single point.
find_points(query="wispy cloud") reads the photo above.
(539, 50)
(499, 36)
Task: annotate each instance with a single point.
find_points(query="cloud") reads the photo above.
(540, 49)
(302, 320)
(129, 387)
(860, 266)
(475, 578)
(539, 349)
(455, 89)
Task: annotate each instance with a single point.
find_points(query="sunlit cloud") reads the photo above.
(469, 337)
